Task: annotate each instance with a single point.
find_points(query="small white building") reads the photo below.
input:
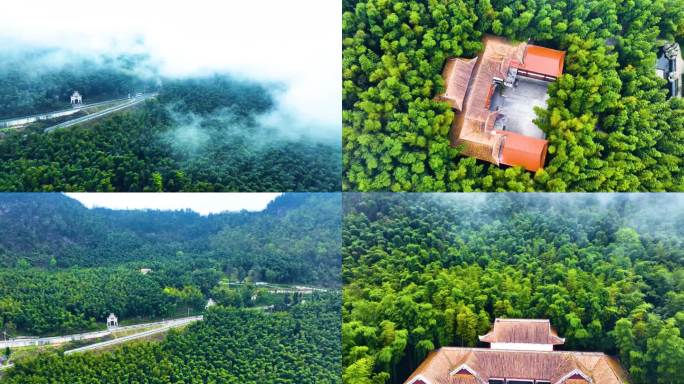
(112, 321)
(145, 271)
(76, 99)
(210, 303)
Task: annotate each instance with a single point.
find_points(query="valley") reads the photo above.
(81, 287)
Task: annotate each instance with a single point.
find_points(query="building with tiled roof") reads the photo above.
(521, 352)
(494, 96)
(522, 334)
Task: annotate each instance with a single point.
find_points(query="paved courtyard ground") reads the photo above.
(517, 105)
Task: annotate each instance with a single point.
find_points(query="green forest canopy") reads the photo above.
(421, 271)
(66, 267)
(299, 346)
(201, 134)
(608, 122)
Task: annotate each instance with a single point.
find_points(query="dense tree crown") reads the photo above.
(609, 124)
(298, 346)
(200, 134)
(424, 271)
(65, 267)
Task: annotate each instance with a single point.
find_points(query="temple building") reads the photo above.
(112, 321)
(521, 352)
(494, 96)
(76, 99)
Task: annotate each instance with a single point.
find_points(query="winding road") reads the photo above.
(132, 102)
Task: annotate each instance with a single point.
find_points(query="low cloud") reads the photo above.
(293, 43)
(204, 203)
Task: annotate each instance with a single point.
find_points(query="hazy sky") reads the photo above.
(295, 42)
(202, 203)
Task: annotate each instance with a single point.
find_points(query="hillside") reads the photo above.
(65, 267)
(424, 271)
(39, 227)
(298, 346)
(200, 134)
(42, 80)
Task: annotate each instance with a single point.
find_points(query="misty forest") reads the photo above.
(609, 122)
(209, 133)
(425, 271)
(66, 267)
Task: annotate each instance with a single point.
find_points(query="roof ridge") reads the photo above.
(474, 349)
(579, 365)
(618, 375)
(464, 358)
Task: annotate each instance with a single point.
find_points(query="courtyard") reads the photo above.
(516, 105)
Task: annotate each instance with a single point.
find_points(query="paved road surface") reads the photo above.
(25, 342)
(101, 113)
(19, 121)
(164, 328)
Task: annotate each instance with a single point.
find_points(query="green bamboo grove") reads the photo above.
(230, 346)
(609, 123)
(425, 271)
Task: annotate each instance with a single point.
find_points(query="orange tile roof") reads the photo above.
(525, 151)
(542, 60)
(534, 331)
(469, 89)
(474, 126)
(558, 367)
